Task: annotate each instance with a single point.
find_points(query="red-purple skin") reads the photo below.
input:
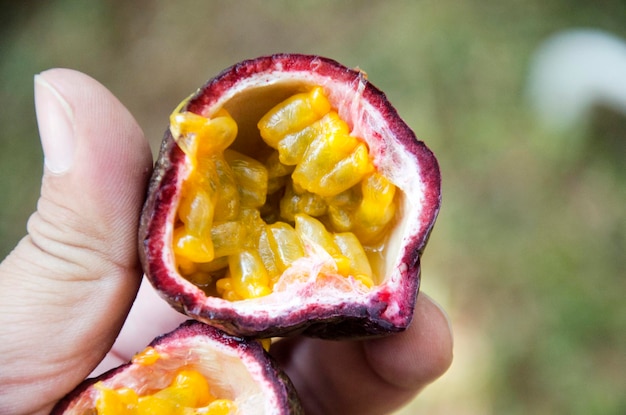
(346, 321)
(272, 373)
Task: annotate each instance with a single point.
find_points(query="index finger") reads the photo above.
(372, 376)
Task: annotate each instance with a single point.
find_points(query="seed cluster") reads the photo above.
(188, 393)
(242, 223)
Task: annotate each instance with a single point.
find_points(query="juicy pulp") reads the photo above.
(188, 394)
(242, 222)
(195, 369)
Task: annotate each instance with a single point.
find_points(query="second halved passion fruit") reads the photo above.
(289, 196)
(193, 370)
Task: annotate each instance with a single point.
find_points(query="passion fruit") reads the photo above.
(196, 369)
(290, 197)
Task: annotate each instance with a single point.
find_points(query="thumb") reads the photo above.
(66, 288)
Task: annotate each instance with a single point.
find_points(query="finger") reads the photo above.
(373, 376)
(149, 317)
(65, 290)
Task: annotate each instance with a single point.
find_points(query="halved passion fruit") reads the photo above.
(196, 369)
(289, 196)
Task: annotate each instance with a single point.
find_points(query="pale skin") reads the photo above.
(67, 288)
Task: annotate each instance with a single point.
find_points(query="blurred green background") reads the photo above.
(529, 251)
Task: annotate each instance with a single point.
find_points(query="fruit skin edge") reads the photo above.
(374, 316)
(281, 384)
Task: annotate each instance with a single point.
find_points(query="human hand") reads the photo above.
(66, 290)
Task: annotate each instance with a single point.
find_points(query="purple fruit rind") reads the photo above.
(382, 311)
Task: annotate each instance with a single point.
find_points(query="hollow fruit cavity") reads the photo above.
(244, 223)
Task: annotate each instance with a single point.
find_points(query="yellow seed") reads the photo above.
(231, 296)
(348, 199)
(275, 168)
(293, 114)
(249, 276)
(198, 135)
(332, 164)
(378, 186)
(312, 230)
(312, 204)
(294, 202)
(228, 238)
(191, 389)
(285, 244)
(297, 188)
(373, 213)
(377, 208)
(275, 184)
(196, 210)
(378, 194)
(216, 135)
(227, 204)
(343, 264)
(291, 148)
(122, 401)
(224, 287)
(184, 123)
(338, 134)
(194, 248)
(340, 218)
(267, 256)
(198, 383)
(371, 235)
(350, 247)
(183, 127)
(252, 223)
(347, 172)
(147, 357)
(251, 177)
(175, 129)
(185, 265)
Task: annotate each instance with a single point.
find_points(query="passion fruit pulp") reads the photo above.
(289, 196)
(195, 369)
